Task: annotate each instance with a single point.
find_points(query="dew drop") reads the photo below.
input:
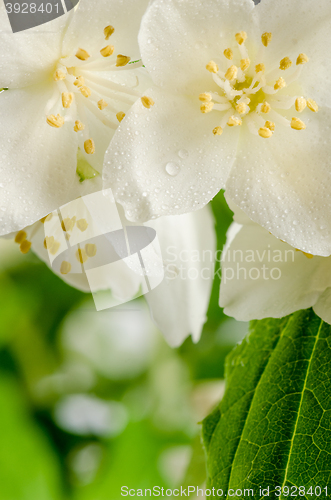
(183, 153)
(172, 169)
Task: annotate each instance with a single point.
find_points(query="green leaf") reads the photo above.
(273, 426)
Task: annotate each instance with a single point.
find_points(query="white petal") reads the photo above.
(283, 183)
(323, 306)
(263, 277)
(38, 162)
(90, 19)
(179, 305)
(166, 160)
(29, 57)
(178, 38)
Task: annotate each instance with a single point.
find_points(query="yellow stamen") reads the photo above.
(147, 102)
(212, 67)
(260, 68)
(205, 97)
(228, 54)
(308, 255)
(285, 63)
(122, 60)
(266, 38)
(280, 84)
(231, 73)
(120, 116)
(78, 126)
(81, 256)
(82, 224)
(20, 237)
(107, 51)
(241, 37)
(102, 104)
(297, 124)
(234, 121)
(65, 267)
(241, 108)
(79, 82)
(265, 132)
(55, 121)
(89, 146)
(49, 217)
(67, 224)
(49, 242)
(302, 59)
(67, 99)
(59, 75)
(25, 246)
(244, 64)
(82, 54)
(108, 31)
(55, 248)
(218, 131)
(265, 108)
(270, 125)
(91, 250)
(312, 105)
(85, 91)
(206, 107)
(300, 104)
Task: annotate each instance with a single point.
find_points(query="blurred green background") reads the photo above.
(92, 401)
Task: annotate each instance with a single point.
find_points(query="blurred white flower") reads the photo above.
(70, 85)
(260, 136)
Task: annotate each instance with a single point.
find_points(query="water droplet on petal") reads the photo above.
(183, 153)
(172, 169)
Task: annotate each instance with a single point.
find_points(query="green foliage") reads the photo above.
(272, 427)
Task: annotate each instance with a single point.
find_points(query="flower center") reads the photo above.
(249, 92)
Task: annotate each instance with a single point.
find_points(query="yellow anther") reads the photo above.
(206, 107)
(308, 255)
(270, 125)
(120, 116)
(241, 37)
(300, 104)
(78, 126)
(67, 99)
(49, 217)
(49, 242)
(228, 54)
(108, 31)
(212, 67)
(218, 131)
(89, 146)
(302, 59)
(280, 84)
(102, 104)
(234, 121)
(266, 38)
(67, 224)
(82, 54)
(107, 51)
(59, 75)
(79, 82)
(122, 60)
(265, 132)
(260, 68)
(297, 124)
(81, 256)
(82, 224)
(91, 250)
(147, 102)
(285, 63)
(312, 105)
(241, 108)
(55, 248)
(265, 108)
(25, 246)
(65, 267)
(55, 121)
(20, 237)
(205, 97)
(85, 91)
(231, 73)
(244, 64)
(67, 236)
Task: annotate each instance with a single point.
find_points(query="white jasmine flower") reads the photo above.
(70, 84)
(179, 304)
(265, 277)
(241, 102)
